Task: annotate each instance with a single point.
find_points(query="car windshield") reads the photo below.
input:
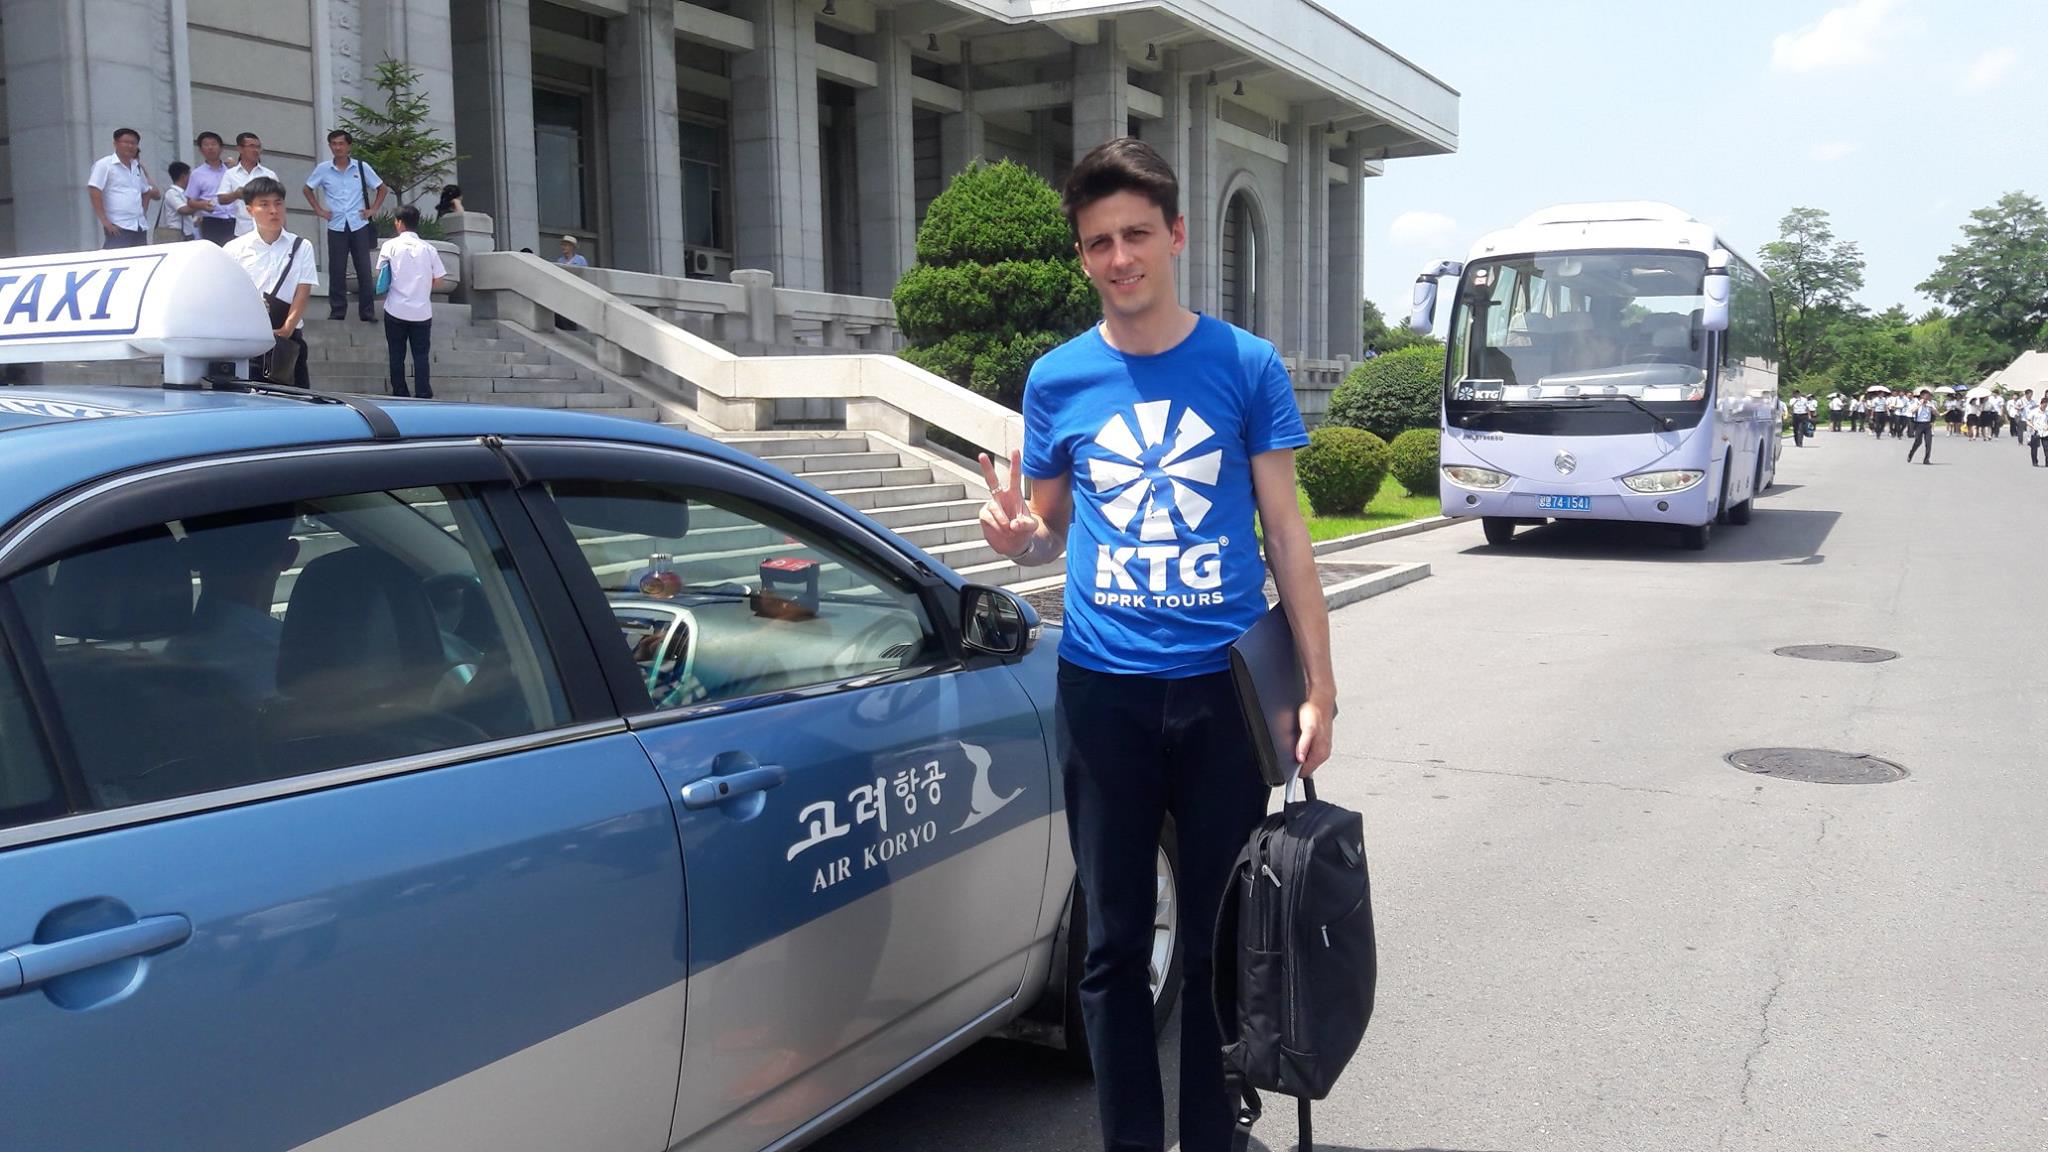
(1566, 326)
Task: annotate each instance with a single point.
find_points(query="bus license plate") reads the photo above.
(1565, 503)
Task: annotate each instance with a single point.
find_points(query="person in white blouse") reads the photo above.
(282, 266)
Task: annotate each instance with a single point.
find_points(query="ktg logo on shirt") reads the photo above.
(1155, 481)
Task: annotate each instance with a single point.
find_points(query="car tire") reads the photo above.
(1170, 940)
(1499, 530)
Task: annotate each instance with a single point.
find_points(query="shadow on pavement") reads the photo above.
(1778, 534)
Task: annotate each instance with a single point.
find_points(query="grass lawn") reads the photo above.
(1392, 506)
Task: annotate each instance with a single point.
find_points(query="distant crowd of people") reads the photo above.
(1914, 415)
(241, 207)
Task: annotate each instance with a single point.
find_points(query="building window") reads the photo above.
(561, 153)
(1240, 261)
(704, 184)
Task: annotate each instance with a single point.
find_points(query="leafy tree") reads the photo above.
(1814, 278)
(1386, 337)
(996, 284)
(1997, 279)
(1392, 393)
(395, 139)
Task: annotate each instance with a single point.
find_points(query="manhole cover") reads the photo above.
(1847, 653)
(1817, 765)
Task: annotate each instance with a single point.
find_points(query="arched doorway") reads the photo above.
(1240, 259)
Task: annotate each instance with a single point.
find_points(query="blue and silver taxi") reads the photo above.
(381, 775)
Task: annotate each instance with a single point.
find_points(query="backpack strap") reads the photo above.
(1303, 1133)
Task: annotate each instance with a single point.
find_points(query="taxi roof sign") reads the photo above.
(190, 303)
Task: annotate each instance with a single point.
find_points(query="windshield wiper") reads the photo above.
(1663, 422)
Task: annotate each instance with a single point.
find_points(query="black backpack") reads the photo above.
(1295, 958)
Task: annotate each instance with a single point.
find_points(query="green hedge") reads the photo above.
(996, 284)
(1341, 469)
(1414, 455)
(1392, 393)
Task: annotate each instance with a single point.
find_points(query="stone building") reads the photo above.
(805, 137)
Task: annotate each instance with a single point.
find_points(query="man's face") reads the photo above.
(209, 149)
(568, 249)
(268, 212)
(127, 148)
(250, 152)
(1127, 248)
(339, 147)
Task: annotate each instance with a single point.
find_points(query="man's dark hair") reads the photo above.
(341, 134)
(408, 216)
(120, 132)
(242, 138)
(200, 140)
(261, 188)
(179, 168)
(1125, 164)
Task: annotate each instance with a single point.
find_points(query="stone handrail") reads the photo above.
(1314, 382)
(751, 309)
(882, 393)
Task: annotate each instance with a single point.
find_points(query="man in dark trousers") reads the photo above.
(339, 191)
(1151, 439)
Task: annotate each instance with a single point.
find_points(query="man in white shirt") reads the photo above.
(179, 211)
(416, 273)
(1921, 412)
(2014, 409)
(1856, 414)
(282, 266)
(339, 193)
(1898, 412)
(121, 191)
(1836, 405)
(1800, 407)
(247, 168)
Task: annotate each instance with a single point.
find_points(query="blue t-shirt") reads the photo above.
(1163, 566)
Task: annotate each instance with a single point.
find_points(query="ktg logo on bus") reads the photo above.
(1157, 482)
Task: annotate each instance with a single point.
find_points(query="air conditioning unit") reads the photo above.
(707, 263)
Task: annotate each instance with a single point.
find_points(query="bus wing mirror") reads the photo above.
(1422, 306)
(1714, 317)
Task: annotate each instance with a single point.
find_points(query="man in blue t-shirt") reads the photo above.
(1152, 440)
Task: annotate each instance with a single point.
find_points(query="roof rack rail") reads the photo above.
(382, 427)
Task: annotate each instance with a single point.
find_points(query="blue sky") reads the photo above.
(1896, 116)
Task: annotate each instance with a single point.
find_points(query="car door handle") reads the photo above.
(712, 791)
(27, 965)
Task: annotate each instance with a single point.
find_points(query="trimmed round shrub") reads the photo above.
(996, 284)
(1341, 469)
(1414, 455)
(1392, 393)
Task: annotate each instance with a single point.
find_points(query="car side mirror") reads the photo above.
(996, 621)
(1714, 317)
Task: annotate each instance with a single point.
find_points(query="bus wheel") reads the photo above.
(1499, 529)
(1695, 536)
(1741, 513)
(1722, 513)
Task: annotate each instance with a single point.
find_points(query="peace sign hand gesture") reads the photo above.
(1006, 522)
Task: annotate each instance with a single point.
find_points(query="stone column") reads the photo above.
(1201, 186)
(778, 200)
(491, 54)
(1317, 309)
(74, 74)
(417, 32)
(645, 178)
(886, 158)
(961, 139)
(1100, 103)
(1169, 134)
(1303, 170)
(1347, 257)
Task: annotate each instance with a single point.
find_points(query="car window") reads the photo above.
(285, 639)
(28, 782)
(718, 599)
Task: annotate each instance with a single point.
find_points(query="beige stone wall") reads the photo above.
(253, 70)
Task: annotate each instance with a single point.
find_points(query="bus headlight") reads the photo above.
(1658, 483)
(1466, 476)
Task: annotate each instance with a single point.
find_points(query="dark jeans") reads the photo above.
(398, 335)
(217, 229)
(1136, 749)
(126, 238)
(2037, 446)
(1798, 430)
(1923, 437)
(360, 246)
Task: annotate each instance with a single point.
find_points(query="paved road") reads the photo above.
(1597, 935)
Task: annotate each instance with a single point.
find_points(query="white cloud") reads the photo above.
(1842, 38)
(1422, 228)
(1832, 151)
(1990, 68)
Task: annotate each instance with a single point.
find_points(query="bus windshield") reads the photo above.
(1580, 326)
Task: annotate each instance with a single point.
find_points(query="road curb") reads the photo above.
(1359, 539)
(1372, 584)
